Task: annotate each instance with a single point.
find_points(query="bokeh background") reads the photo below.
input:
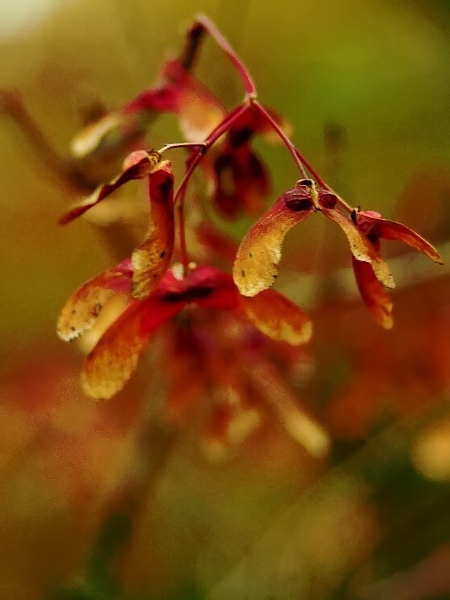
(105, 501)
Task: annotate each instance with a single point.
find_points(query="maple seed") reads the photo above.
(155, 290)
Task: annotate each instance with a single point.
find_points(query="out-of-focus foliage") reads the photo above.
(104, 501)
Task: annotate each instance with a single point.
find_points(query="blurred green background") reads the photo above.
(100, 500)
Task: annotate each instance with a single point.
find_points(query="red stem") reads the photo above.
(301, 162)
(287, 142)
(212, 138)
(182, 236)
(247, 80)
(192, 164)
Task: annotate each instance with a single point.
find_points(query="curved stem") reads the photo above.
(247, 80)
(182, 235)
(175, 145)
(191, 164)
(285, 139)
(212, 138)
(301, 162)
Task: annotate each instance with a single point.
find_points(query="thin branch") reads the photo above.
(247, 80)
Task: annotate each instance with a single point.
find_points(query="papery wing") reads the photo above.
(113, 131)
(115, 357)
(136, 166)
(392, 230)
(199, 111)
(373, 293)
(83, 307)
(278, 317)
(152, 259)
(303, 428)
(361, 248)
(256, 265)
